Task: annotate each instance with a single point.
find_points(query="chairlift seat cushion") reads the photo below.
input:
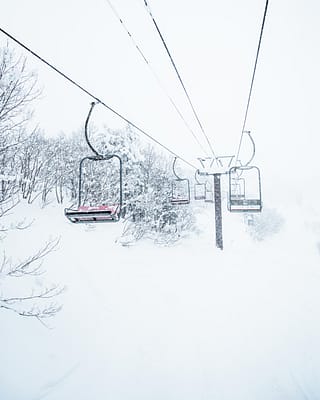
(245, 205)
(87, 214)
(177, 201)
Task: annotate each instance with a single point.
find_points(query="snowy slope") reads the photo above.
(181, 322)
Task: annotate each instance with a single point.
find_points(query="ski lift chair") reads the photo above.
(244, 189)
(180, 189)
(99, 212)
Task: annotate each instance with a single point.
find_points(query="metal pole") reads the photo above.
(218, 212)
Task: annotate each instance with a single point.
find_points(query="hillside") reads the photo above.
(181, 322)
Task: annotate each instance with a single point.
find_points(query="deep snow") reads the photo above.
(181, 322)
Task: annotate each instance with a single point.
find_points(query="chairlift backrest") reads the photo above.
(180, 192)
(199, 188)
(94, 160)
(238, 188)
(199, 191)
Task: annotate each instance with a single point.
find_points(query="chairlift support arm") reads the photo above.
(174, 170)
(86, 131)
(253, 148)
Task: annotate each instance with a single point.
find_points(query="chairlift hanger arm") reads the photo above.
(174, 171)
(253, 148)
(196, 177)
(86, 129)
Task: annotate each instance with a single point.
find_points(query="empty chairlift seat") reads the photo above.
(180, 188)
(244, 189)
(94, 201)
(199, 191)
(199, 188)
(180, 192)
(100, 186)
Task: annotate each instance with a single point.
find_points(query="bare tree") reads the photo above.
(18, 90)
(37, 303)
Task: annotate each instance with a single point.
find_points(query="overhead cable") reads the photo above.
(179, 77)
(155, 75)
(252, 81)
(95, 98)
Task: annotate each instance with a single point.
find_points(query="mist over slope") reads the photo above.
(182, 322)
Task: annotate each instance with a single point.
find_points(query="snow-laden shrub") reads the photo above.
(265, 224)
(148, 210)
(152, 216)
(165, 228)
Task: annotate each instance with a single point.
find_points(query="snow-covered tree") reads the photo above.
(151, 213)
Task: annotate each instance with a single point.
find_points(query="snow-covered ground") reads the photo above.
(182, 322)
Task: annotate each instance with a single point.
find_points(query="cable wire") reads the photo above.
(179, 77)
(252, 80)
(155, 74)
(95, 98)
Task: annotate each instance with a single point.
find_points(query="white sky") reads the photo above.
(214, 45)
